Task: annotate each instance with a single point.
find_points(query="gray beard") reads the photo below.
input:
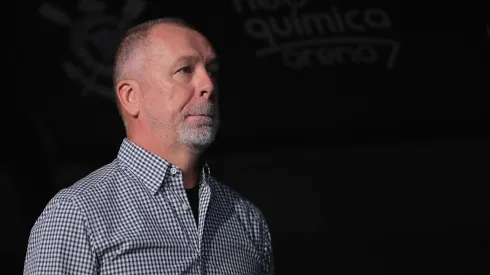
(198, 136)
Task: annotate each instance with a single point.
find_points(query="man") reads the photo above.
(155, 209)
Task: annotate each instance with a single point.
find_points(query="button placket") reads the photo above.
(181, 206)
(173, 171)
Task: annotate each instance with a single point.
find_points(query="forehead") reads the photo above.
(172, 42)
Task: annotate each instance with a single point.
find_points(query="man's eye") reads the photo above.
(185, 70)
(213, 73)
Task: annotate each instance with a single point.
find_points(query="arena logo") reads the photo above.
(94, 36)
(323, 38)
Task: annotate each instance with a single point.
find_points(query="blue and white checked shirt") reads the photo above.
(132, 216)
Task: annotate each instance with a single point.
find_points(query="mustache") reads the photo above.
(208, 109)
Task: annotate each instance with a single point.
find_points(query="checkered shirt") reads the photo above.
(132, 216)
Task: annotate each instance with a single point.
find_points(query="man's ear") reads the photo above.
(128, 94)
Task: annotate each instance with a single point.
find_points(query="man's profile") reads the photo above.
(155, 209)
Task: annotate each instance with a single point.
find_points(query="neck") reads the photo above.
(186, 159)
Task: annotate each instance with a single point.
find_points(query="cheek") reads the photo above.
(163, 86)
(169, 97)
(181, 96)
(169, 88)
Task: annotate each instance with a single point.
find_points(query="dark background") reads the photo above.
(359, 168)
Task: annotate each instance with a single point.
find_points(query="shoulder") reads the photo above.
(91, 191)
(91, 183)
(250, 216)
(229, 197)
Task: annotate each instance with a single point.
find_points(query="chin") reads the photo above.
(199, 137)
(198, 140)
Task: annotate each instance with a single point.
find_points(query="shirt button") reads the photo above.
(185, 206)
(173, 170)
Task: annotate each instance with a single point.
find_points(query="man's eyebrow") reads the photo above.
(214, 61)
(185, 59)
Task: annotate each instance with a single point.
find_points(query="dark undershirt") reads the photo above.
(193, 197)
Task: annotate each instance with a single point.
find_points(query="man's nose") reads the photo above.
(206, 85)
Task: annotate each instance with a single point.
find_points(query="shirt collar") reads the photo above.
(149, 167)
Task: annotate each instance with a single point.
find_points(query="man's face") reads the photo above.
(179, 98)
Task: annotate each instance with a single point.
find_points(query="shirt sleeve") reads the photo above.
(269, 268)
(59, 242)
